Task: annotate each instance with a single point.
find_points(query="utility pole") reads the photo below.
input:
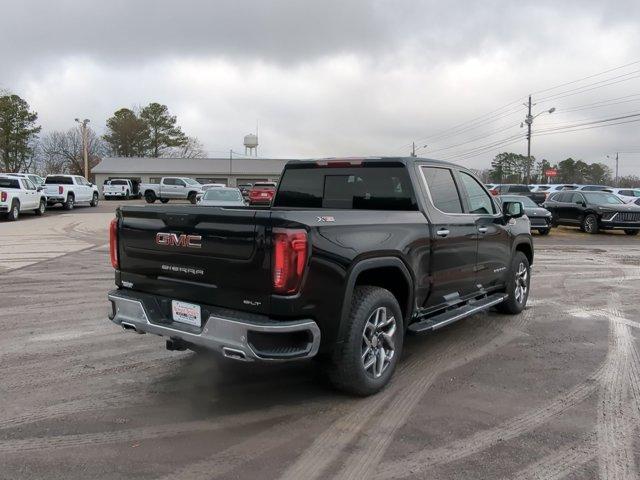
(85, 147)
(413, 149)
(617, 184)
(529, 121)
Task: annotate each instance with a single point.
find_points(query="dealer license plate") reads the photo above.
(184, 312)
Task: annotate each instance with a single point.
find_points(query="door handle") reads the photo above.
(443, 232)
(482, 229)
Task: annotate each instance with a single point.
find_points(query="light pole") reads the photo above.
(529, 121)
(85, 151)
(414, 149)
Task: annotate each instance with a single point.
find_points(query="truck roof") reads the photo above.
(403, 160)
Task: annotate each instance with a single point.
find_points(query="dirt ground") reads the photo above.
(551, 393)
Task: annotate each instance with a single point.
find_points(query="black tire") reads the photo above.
(164, 200)
(69, 204)
(632, 232)
(95, 200)
(554, 220)
(41, 208)
(590, 224)
(346, 369)
(150, 197)
(544, 231)
(192, 197)
(127, 195)
(14, 212)
(517, 299)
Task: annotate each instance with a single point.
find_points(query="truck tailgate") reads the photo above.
(209, 255)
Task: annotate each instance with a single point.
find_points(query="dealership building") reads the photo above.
(231, 172)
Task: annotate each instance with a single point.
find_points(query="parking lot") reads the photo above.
(551, 393)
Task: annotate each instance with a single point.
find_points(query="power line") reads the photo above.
(622, 117)
(586, 128)
(489, 145)
(583, 89)
(587, 77)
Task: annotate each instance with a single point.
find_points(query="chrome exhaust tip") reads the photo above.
(131, 327)
(234, 354)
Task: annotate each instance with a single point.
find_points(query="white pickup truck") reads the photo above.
(118, 187)
(171, 188)
(17, 195)
(69, 190)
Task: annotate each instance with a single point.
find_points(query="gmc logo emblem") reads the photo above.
(175, 240)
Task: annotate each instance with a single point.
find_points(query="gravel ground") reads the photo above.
(551, 393)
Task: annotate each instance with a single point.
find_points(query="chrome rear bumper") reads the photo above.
(249, 340)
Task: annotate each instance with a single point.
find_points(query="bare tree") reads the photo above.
(191, 149)
(61, 151)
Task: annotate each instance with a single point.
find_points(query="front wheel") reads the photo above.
(631, 232)
(364, 363)
(590, 224)
(41, 208)
(517, 285)
(544, 231)
(94, 200)
(193, 198)
(150, 197)
(164, 200)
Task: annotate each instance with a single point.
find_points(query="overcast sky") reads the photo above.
(335, 77)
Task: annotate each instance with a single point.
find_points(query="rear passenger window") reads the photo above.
(442, 189)
(479, 200)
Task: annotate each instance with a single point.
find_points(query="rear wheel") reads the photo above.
(14, 213)
(41, 208)
(517, 285)
(164, 200)
(69, 204)
(631, 232)
(192, 198)
(126, 195)
(544, 231)
(590, 224)
(94, 200)
(150, 197)
(364, 363)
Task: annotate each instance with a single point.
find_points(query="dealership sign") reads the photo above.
(551, 172)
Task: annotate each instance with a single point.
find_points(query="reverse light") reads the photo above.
(60, 189)
(3, 196)
(113, 243)
(339, 163)
(289, 259)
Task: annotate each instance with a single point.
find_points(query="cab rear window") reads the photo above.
(58, 180)
(376, 186)
(9, 183)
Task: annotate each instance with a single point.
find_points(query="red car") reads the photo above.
(262, 193)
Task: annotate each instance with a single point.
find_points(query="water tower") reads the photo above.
(251, 145)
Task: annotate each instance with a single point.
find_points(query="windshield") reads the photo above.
(222, 195)
(602, 199)
(119, 182)
(526, 201)
(190, 181)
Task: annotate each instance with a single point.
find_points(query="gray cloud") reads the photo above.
(324, 77)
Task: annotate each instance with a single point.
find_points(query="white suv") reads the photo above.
(69, 190)
(19, 194)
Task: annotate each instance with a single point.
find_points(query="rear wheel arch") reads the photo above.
(389, 273)
(526, 248)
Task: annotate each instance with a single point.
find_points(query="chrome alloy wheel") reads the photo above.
(522, 283)
(590, 224)
(378, 347)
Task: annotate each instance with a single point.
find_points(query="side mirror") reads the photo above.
(40, 189)
(512, 210)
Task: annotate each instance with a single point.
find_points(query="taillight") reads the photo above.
(3, 196)
(289, 259)
(493, 192)
(60, 189)
(113, 243)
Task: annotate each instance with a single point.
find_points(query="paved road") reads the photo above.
(551, 393)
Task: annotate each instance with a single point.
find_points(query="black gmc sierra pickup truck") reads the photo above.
(351, 255)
